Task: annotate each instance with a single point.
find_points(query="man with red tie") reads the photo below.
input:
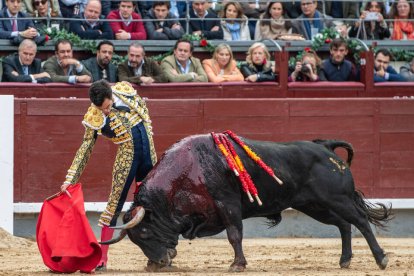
(17, 28)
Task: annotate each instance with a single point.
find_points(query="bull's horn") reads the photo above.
(121, 235)
(139, 215)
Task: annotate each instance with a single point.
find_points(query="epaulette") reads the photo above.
(94, 118)
(124, 88)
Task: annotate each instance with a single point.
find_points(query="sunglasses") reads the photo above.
(37, 3)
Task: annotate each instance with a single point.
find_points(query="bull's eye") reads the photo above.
(144, 233)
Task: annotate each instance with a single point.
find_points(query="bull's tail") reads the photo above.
(377, 214)
(333, 144)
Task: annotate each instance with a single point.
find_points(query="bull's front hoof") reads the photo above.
(237, 268)
(345, 262)
(153, 267)
(384, 262)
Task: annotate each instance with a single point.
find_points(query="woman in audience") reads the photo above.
(234, 23)
(371, 25)
(222, 67)
(308, 68)
(403, 25)
(45, 8)
(272, 22)
(258, 67)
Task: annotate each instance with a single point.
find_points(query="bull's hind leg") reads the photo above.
(345, 208)
(328, 217)
(232, 220)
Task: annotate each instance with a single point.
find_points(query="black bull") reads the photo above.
(192, 192)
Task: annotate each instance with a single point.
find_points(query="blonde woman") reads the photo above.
(222, 67)
(234, 23)
(258, 67)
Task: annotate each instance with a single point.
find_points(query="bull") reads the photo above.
(191, 192)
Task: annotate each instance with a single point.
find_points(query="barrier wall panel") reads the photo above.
(245, 108)
(312, 107)
(396, 178)
(331, 125)
(397, 142)
(174, 108)
(245, 125)
(394, 107)
(397, 159)
(397, 123)
(176, 125)
(58, 107)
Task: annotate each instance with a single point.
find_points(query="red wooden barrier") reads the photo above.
(49, 131)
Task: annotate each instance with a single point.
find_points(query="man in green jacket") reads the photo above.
(182, 66)
(139, 69)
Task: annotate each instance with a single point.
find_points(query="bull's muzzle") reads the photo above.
(155, 266)
(138, 214)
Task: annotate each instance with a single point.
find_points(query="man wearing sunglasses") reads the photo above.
(15, 26)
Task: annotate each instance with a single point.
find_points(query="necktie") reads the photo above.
(25, 70)
(14, 25)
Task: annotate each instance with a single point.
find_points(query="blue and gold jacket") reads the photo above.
(116, 127)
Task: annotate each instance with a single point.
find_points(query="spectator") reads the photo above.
(62, 67)
(162, 26)
(292, 9)
(383, 71)
(178, 8)
(222, 67)
(272, 22)
(341, 10)
(258, 67)
(140, 7)
(402, 12)
(407, 70)
(210, 28)
(369, 27)
(90, 27)
(308, 69)
(337, 68)
(138, 68)
(182, 66)
(253, 9)
(72, 8)
(128, 24)
(234, 23)
(311, 21)
(53, 8)
(15, 27)
(44, 8)
(23, 66)
(100, 66)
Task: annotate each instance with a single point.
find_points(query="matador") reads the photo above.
(121, 115)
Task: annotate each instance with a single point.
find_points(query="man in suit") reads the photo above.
(91, 27)
(311, 21)
(23, 66)
(182, 66)
(100, 66)
(62, 67)
(210, 28)
(383, 71)
(16, 28)
(138, 68)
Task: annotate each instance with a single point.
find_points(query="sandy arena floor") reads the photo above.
(281, 256)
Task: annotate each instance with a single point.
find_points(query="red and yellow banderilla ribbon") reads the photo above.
(254, 156)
